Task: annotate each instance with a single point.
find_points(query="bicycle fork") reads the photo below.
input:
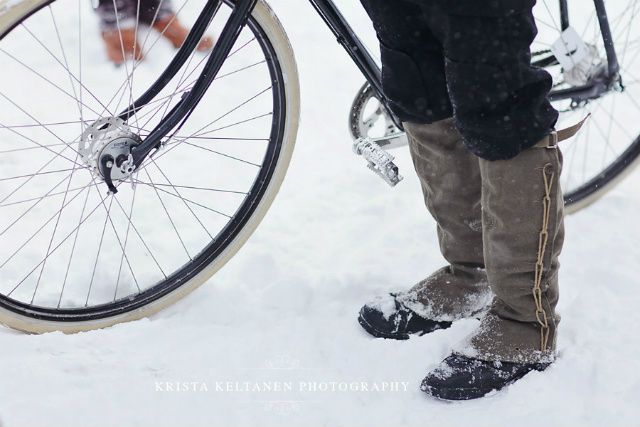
(180, 112)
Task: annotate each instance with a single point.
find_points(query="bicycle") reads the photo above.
(74, 257)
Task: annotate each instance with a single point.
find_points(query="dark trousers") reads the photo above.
(127, 11)
(466, 59)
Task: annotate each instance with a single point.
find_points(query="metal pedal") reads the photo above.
(378, 160)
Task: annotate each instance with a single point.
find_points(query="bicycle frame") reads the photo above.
(354, 47)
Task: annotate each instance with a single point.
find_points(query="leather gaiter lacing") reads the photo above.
(541, 315)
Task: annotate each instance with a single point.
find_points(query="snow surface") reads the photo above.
(284, 309)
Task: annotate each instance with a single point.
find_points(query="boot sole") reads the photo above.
(379, 334)
(456, 393)
(434, 326)
(470, 393)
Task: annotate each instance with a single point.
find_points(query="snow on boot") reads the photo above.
(176, 33)
(523, 232)
(450, 178)
(388, 317)
(460, 377)
(449, 294)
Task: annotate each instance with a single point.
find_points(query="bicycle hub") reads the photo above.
(106, 148)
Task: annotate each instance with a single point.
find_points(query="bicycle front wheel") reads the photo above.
(73, 258)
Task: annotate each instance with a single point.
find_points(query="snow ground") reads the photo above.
(284, 309)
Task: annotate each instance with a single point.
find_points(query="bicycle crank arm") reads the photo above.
(378, 160)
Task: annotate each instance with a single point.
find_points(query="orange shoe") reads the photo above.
(177, 33)
(122, 45)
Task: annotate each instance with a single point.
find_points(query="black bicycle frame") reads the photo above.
(349, 41)
(190, 99)
(241, 12)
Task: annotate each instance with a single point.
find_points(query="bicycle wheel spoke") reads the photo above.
(174, 142)
(53, 251)
(31, 175)
(135, 44)
(150, 184)
(42, 227)
(41, 125)
(166, 211)
(124, 55)
(53, 233)
(80, 2)
(190, 187)
(234, 109)
(221, 154)
(124, 248)
(95, 264)
(19, 202)
(46, 147)
(219, 138)
(66, 63)
(183, 201)
(57, 60)
(259, 116)
(144, 243)
(73, 248)
(239, 70)
(117, 236)
(33, 206)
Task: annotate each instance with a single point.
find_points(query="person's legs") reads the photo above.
(523, 235)
(500, 101)
(161, 15)
(118, 24)
(450, 178)
(147, 11)
(489, 57)
(414, 80)
(152, 11)
(413, 74)
(501, 109)
(118, 27)
(110, 20)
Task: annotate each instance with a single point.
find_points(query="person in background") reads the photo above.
(118, 27)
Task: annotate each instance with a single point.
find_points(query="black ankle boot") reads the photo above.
(392, 319)
(462, 378)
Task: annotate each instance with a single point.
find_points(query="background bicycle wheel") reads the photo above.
(284, 310)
